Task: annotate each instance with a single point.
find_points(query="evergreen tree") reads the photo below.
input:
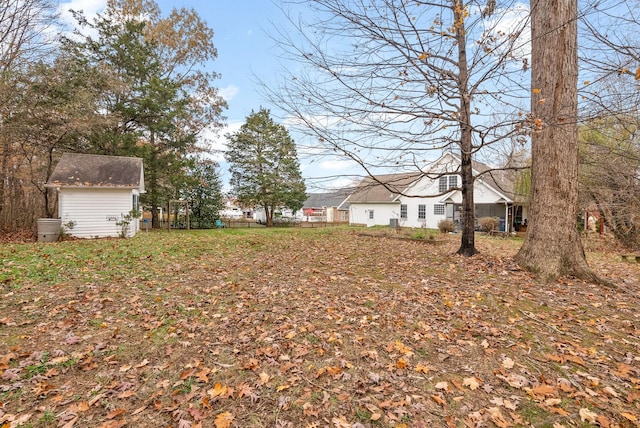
(159, 109)
(204, 194)
(264, 166)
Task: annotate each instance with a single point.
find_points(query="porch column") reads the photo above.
(506, 217)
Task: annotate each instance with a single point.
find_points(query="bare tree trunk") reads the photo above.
(467, 244)
(268, 214)
(4, 175)
(553, 247)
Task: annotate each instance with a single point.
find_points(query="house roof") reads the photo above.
(500, 180)
(388, 188)
(383, 188)
(82, 170)
(321, 200)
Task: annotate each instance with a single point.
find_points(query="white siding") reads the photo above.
(96, 211)
(382, 213)
(483, 196)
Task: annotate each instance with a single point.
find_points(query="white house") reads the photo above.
(330, 207)
(424, 198)
(97, 193)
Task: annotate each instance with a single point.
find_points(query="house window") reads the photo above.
(446, 183)
(403, 211)
(344, 216)
(438, 209)
(422, 212)
(136, 203)
(370, 214)
(442, 185)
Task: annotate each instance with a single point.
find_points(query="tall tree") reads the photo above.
(53, 112)
(23, 28)
(264, 165)
(390, 84)
(159, 90)
(553, 247)
(204, 193)
(184, 44)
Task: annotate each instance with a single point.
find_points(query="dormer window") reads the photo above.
(447, 182)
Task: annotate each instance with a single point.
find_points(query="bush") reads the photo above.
(488, 224)
(446, 226)
(420, 234)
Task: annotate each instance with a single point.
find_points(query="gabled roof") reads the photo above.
(82, 170)
(383, 188)
(321, 200)
(388, 188)
(500, 180)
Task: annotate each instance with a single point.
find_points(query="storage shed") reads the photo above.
(98, 193)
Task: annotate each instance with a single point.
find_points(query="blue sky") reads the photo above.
(244, 50)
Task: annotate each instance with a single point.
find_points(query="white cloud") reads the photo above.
(342, 183)
(89, 7)
(215, 139)
(510, 22)
(229, 92)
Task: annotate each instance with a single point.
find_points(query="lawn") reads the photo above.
(311, 328)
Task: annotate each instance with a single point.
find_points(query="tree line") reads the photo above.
(131, 82)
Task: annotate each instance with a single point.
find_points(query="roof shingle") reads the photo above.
(82, 170)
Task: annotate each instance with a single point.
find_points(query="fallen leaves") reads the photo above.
(223, 420)
(515, 380)
(507, 363)
(218, 391)
(353, 331)
(472, 382)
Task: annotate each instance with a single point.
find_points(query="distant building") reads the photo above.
(330, 207)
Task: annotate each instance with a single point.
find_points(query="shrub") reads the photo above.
(66, 229)
(488, 224)
(420, 234)
(125, 221)
(446, 226)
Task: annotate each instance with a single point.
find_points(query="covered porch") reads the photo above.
(502, 209)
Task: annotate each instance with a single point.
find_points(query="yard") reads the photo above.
(311, 328)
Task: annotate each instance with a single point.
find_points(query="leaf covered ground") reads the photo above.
(311, 328)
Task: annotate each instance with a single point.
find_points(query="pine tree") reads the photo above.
(264, 166)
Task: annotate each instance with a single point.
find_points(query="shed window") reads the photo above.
(370, 214)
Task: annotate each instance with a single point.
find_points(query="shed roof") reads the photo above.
(82, 170)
